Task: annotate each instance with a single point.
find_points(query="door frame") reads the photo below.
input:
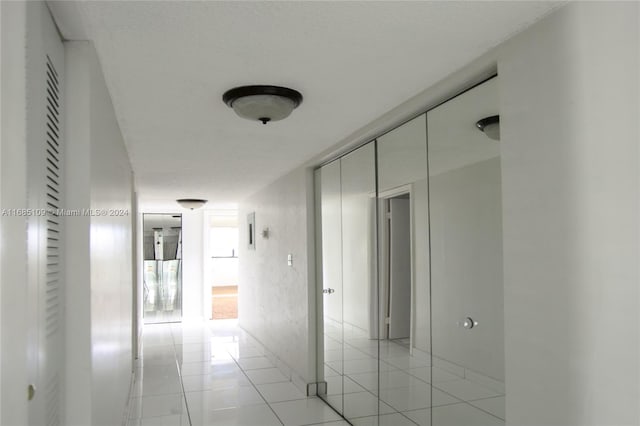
(383, 259)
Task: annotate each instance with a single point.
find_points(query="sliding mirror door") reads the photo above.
(329, 235)
(360, 319)
(162, 268)
(466, 261)
(405, 372)
(348, 348)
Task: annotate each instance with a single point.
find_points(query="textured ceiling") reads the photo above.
(167, 65)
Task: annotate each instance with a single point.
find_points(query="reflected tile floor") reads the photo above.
(411, 391)
(212, 373)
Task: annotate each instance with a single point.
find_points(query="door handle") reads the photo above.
(328, 290)
(467, 323)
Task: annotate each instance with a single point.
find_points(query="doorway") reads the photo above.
(222, 265)
(162, 268)
(398, 280)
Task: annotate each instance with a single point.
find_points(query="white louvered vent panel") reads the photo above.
(52, 190)
(53, 402)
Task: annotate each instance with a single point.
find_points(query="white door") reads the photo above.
(45, 122)
(399, 268)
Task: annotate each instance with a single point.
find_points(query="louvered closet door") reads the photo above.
(45, 62)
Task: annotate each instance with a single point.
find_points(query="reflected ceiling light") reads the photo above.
(191, 203)
(262, 103)
(490, 126)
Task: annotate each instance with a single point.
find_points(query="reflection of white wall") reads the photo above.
(358, 245)
(422, 315)
(330, 211)
(466, 267)
(223, 243)
(193, 264)
(402, 155)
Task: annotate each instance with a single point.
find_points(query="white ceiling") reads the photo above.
(167, 65)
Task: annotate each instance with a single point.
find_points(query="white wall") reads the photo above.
(13, 296)
(99, 248)
(193, 235)
(276, 301)
(358, 186)
(569, 116)
(466, 267)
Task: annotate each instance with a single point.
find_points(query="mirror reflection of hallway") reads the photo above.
(162, 268)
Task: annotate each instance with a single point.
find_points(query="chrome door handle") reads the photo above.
(467, 323)
(328, 290)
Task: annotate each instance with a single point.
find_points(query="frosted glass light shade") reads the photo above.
(262, 103)
(263, 107)
(490, 126)
(492, 131)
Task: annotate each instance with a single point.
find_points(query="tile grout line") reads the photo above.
(184, 394)
(249, 379)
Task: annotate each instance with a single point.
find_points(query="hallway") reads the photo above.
(213, 373)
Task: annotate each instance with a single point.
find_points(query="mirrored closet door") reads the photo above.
(466, 259)
(409, 247)
(348, 358)
(405, 364)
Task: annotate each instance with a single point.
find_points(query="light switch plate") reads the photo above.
(290, 259)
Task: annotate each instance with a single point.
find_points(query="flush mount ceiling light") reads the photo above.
(191, 203)
(490, 126)
(262, 103)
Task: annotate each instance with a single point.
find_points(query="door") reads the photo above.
(465, 198)
(329, 232)
(348, 354)
(359, 281)
(45, 174)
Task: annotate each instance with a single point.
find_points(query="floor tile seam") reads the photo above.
(483, 410)
(458, 401)
(433, 386)
(260, 368)
(156, 394)
(250, 381)
(152, 417)
(178, 366)
(333, 409)
(379, 388)
(440, 405)
(387, 414)
(237, 407)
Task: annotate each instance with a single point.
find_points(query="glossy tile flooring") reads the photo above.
(410, 390)
(212, 373)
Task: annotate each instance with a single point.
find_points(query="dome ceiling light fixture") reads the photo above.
(191, 203)
(490, 126)
(262, 103)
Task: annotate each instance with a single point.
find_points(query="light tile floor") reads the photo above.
(214, 374)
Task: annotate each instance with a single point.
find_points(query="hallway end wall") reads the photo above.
(99, 248)
(277, 301)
